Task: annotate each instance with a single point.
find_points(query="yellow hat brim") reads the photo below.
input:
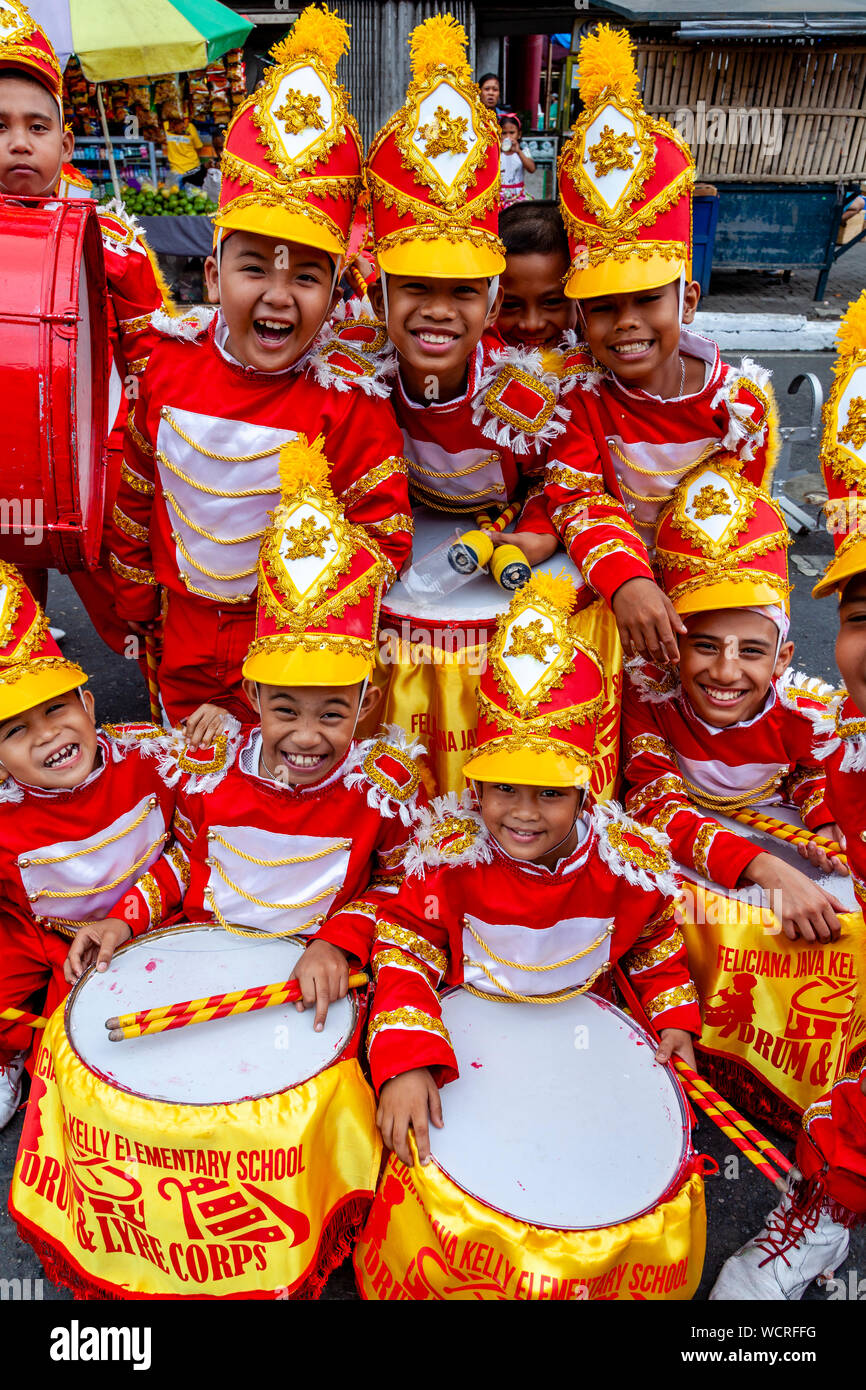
(525, 768)
(442, 260)
(727, 594)
(34, 688)
(841, 569)
(301, 667)
(281, 225)
(624, 277)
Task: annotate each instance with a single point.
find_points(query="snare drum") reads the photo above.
(431, 663)
(230, 1159)
(54, 364)
(781, 1019)
(564, 1169)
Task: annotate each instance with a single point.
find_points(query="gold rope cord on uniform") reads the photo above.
(737, 801)
(207, 453)
(453, 507)
(28, 860)
(101, 888)
(705, 453)
(279, 863)
(257, 935)
(535, 969)
(461, 473)
(216, 491)
(559, 998)
(207, 593)
(210, 574)
(260, 902)
(424, 492)
(208, 536)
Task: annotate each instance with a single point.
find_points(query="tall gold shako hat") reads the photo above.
(291, 165)
(26, 47)
(320, 583)
(540, 696)
(843, 453)
(721, 542)
(625, 180)
(432, 172)
(32, 667)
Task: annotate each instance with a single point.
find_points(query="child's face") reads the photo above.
(33, 145)
(53, 745)
(510, 133)
(851, 642)
(727, 662)
(275, 296)
(435, 326)
(535, 311)
(531, 823)
(307, 730)
(636, 335)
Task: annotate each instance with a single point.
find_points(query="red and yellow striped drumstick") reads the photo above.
(193, 1006)
(181, 1015)
(793, 834)
(733, 1116)
(152, 679)
(486, 522)
(21, 1016)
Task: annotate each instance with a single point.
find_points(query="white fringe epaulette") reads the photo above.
(792, 685)
(587, 380)
(189, 326)
(830, 740)
(393, 801)
(447, 816)
(115, 208)
(150, 741)
(377, 367)
(10, 792)
(203, 777)
(610, 812)
(740, 438)
(652, 692)
(500, 430)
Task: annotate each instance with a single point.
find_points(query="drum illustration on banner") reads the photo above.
(230, 1159)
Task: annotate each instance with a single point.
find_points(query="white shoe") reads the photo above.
(58, 633)
(798, 1243)
(10, 1087)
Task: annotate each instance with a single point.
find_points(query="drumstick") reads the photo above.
(793, 834)
(739, 1140)
(170, 1016)
(733, 1115)
(485, 522)
(21, 1016)
(192, 1006)
(152, 681)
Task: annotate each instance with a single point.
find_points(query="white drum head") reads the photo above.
(228, 1059)
(480, 599)
(841, 888)
(560, 1116)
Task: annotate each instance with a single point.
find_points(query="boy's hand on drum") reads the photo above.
(95, 941)
(817, 856)
(676, 1040)
(648, 622)
(323, 974)
(534, 546)
(803, 907)
(409, 1099)
(203, 726)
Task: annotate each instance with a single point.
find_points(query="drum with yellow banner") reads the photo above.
(564, 1170)
(229, 1159)
(432, 654)
(782, 1020)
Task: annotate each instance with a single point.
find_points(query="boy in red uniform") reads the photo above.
(536, 894)
(223, 394)
(287, 827)
(654, 398)
(806, 1235)
(34, 153)
(535, 310)
(84, 813)
(732, 727)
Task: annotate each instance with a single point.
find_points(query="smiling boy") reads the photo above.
(223, 395)
(535, 310)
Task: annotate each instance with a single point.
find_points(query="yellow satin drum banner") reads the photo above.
(792, 1012)
(430, 691)
(426, 1239)
(132, 1198)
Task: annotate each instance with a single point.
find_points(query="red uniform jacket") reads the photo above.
(624, 452)
(675, 764)
(469, 914)
(841, 745)
(262, 854)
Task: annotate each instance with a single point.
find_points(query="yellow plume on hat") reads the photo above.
(303, 464)
(606, 60)
(320, 32)
(439, 42)
(557, 589)
(851, 337)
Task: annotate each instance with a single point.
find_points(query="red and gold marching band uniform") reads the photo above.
(512, 929)
(625, 182)
(68, 856)
(720, 544)
(265, 854)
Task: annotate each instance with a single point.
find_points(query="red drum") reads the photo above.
(54, 365)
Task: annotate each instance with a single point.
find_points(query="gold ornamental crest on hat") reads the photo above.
(534, 645)
(15, 22)
(11, 585)
(711, 507)
(844, 442)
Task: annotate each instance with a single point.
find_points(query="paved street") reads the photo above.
(735, 1206)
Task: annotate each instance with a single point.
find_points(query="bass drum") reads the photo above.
(54, 365)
